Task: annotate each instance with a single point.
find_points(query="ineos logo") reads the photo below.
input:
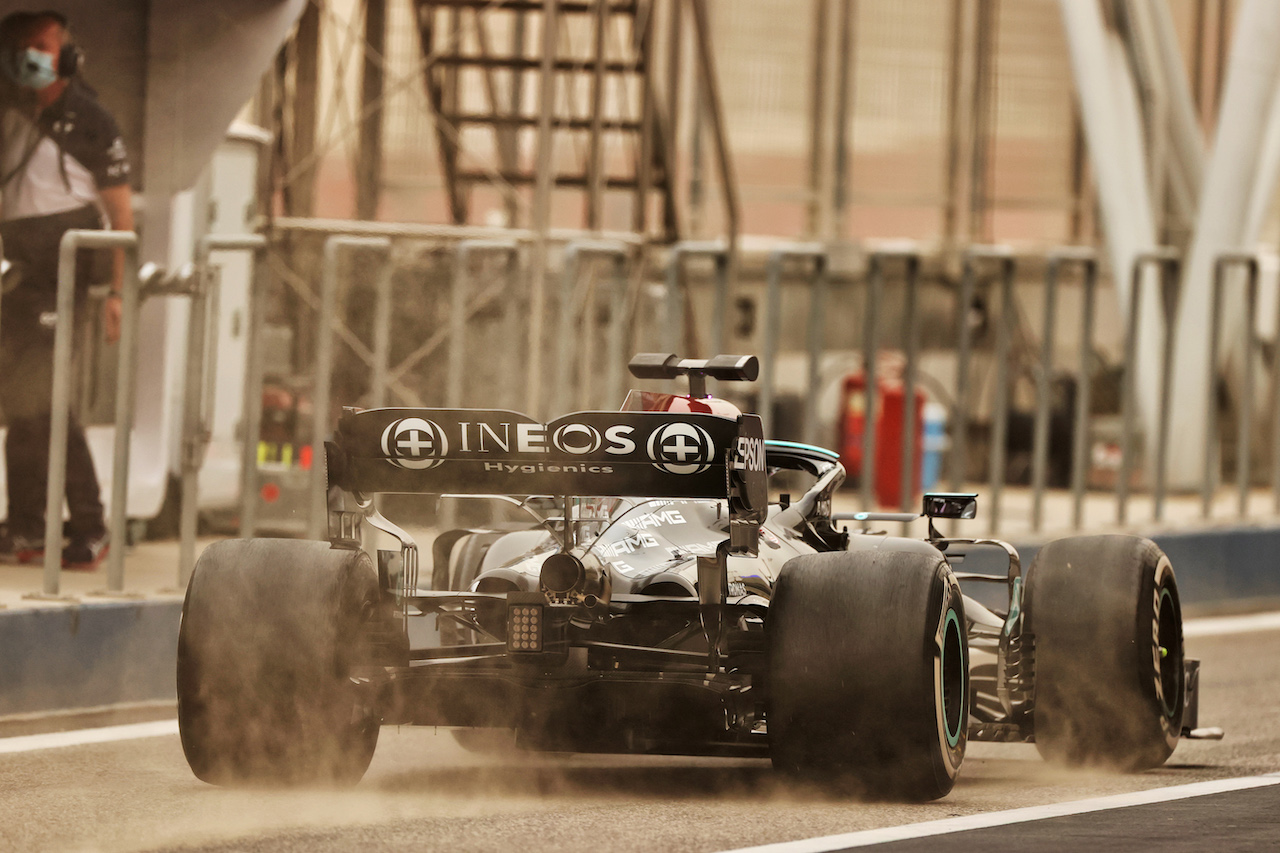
(414, 443)
(681, 448)
(576, 439)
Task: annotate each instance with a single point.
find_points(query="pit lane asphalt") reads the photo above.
(423, 793)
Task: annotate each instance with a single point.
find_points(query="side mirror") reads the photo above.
(951, 505)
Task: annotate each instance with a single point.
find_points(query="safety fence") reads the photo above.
(615, 296)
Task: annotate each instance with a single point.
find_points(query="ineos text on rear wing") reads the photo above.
(473, 451)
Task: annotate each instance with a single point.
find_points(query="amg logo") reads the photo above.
(705, 549)
(629, 545)
(655, 519)
(750, 454)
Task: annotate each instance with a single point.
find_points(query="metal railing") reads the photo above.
(465, 252)
(908, 254)
(974, 259)
(202, 286)
(570, 344)
(1251, 264)
(60, 402)
(1088, 263)
(816, 256)
(674, 330)
(318, 515)
(1168, 265)
(896, 265)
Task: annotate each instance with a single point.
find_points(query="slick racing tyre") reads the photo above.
(1109, 686)
(271, 632)
(869, 672)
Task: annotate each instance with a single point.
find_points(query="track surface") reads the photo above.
(423, 792)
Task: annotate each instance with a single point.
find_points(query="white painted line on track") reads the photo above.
(81, 737)
(989, 820)
(1217, 626)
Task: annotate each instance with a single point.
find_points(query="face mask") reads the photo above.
(31, 69)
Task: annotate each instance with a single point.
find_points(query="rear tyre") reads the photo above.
(271, 632)
(869, 672)
(1109, 657)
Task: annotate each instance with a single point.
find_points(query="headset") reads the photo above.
(70, 57)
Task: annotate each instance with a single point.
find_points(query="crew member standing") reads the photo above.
(63, 165)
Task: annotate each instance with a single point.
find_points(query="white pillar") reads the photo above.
(1113, 130)
(1223, 224)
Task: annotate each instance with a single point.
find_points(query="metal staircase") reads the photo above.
(608, 137)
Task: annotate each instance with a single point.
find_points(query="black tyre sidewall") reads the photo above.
(270, 632)
(1105, 695)
(856, 666)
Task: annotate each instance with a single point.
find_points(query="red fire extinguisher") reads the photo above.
(887, 467)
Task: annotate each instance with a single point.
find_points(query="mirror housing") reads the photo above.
(951, 505)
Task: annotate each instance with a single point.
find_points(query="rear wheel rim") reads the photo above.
(953, 676)
(1169, 652)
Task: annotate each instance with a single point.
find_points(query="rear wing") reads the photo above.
(474, 451)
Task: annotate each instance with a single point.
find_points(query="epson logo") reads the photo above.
(749, 454)
(414, 443)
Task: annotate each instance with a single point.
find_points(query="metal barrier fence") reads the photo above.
(572, 343)
(1088, 262)
(1168, 264)
(909, 255)
(816, 255)
(675, 309)
(60, 405)
(318, 517)
(889, 265)
(202, 285)
(1003, 264)
(466, 251)
(1251, 264)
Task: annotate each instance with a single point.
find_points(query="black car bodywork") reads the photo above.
(634, 611)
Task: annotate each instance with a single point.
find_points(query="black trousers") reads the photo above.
(26, 381)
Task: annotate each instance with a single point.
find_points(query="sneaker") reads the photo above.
(18, 549)
(85, 555)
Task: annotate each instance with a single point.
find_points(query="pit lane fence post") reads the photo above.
(570, 344)
(60, 402)
(202, 286)
(1168, 263)
(975, 258)
(674, 311)
(1223, 264)
(318, 515)
(816, 255)
(465, 253)
(909, 254)
(1057, 259)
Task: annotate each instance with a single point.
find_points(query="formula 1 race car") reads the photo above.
(665, 596)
